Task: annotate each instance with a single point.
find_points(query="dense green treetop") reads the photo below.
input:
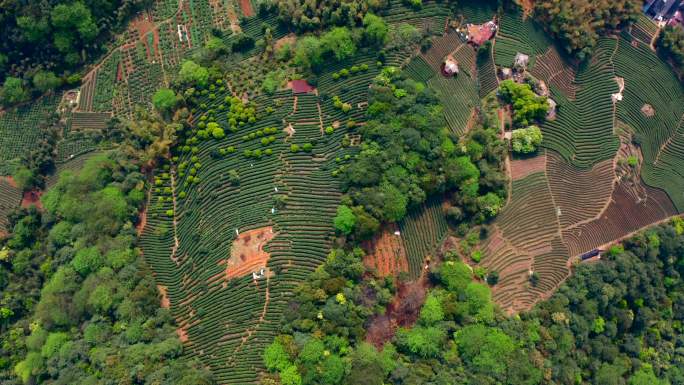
(671, 45)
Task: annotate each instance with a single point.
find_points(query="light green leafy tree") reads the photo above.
(526, 140)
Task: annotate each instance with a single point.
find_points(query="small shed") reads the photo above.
(590, 254)
(552, 109)
(521, 61)
(506, 73)
(450, 67)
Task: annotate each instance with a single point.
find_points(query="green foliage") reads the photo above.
(45, 81)
(308, 52)
(527, 106)
(375, 30)
(455, 275)
(339, 43)
(98, 305)
(290, 376)
(485, 349)
(87, 261)
(431, 312)
(526, 140)
(13, 91)
(215, 130)
(408, 154)
(421, 341)
(193, 73)
(53, 343)
(275, 357)
(164, 99)
(344, 220)
(24, 178)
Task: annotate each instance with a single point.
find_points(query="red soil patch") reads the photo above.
(165, 302)
(403, 311)
(247, 253)
(386, 253)
(521, 168)
(647, 110)
(527, 6)
(300, 87)
(182, 335)
(290, 39)
(32, 198)
(10, 180)
(246, 7)
(143, 24)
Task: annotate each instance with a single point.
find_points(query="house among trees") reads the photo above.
(450, 66)
(662, 10)
(480, 33)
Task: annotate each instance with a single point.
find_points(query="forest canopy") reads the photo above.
(579, 23)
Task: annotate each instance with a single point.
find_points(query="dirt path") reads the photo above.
(668, 141)
(176, 242)
(654, 39)
(320, 117)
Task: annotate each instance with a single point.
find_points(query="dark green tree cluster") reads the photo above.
(619, 321)
(407, 154)
(671, 46)
(615, 322)
(45, 42)
(312, 16)
(327, 315)
(579, 23)
(339, 43)
(79, 304)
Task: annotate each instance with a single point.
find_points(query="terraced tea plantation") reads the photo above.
(233, 224)
(612, 163)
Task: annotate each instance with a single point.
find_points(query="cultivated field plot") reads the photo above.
(10, 197)
(519, 36)
(385, 252)
(582, 132)
(227, 307)
(557, 211)
(422, 231)
(649, 81)
(155, 45)
(20, 129)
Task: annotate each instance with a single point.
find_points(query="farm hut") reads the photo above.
(552, 109)
(506, 73)
(450, 67)
(541, 88)
(521, 61)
